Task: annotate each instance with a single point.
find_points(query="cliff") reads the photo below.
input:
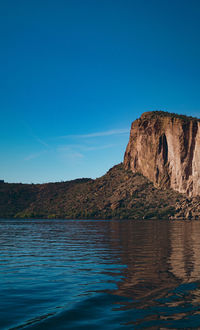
(165, 148)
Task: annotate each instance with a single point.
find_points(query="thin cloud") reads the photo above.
(34, 155)
(93, 148)
(83, 147)
(75, 155)
(98, 134)
(36, 138)
(41, 141)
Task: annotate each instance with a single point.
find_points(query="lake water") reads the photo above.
(73, 274)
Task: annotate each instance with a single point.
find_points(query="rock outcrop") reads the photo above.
(188, 209)
(165, 148)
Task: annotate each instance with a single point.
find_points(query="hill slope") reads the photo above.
(119, 194)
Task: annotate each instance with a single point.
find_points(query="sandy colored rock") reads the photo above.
(165, 148)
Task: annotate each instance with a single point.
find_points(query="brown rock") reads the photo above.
(115, 205)
(165, 148)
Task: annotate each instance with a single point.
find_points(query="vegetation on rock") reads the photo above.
(119, 194)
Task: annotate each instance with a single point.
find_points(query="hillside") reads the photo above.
(119, 194)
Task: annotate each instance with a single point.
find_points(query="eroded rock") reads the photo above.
(165, 148)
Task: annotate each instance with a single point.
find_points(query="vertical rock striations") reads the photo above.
(165, 148)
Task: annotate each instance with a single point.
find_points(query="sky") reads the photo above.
(74, 74)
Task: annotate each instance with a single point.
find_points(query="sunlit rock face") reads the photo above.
(165, 148)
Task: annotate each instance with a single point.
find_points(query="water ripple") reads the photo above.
(99, 274)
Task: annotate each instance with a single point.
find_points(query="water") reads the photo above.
(69, 274)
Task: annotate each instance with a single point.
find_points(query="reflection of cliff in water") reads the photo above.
(159, 256)
(185, 250)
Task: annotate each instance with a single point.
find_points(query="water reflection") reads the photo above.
(185, 254)
(145, 250)
(163, 269)
(100, 274)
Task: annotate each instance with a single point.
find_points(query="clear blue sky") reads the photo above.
(76, 73)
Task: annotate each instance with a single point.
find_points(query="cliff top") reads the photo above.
(162, 114)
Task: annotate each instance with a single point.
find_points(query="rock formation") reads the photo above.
(165, 148)
(163, 152)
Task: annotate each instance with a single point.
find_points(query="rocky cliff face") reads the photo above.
(165, 148)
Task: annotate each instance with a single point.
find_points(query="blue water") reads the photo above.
(73, 274)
